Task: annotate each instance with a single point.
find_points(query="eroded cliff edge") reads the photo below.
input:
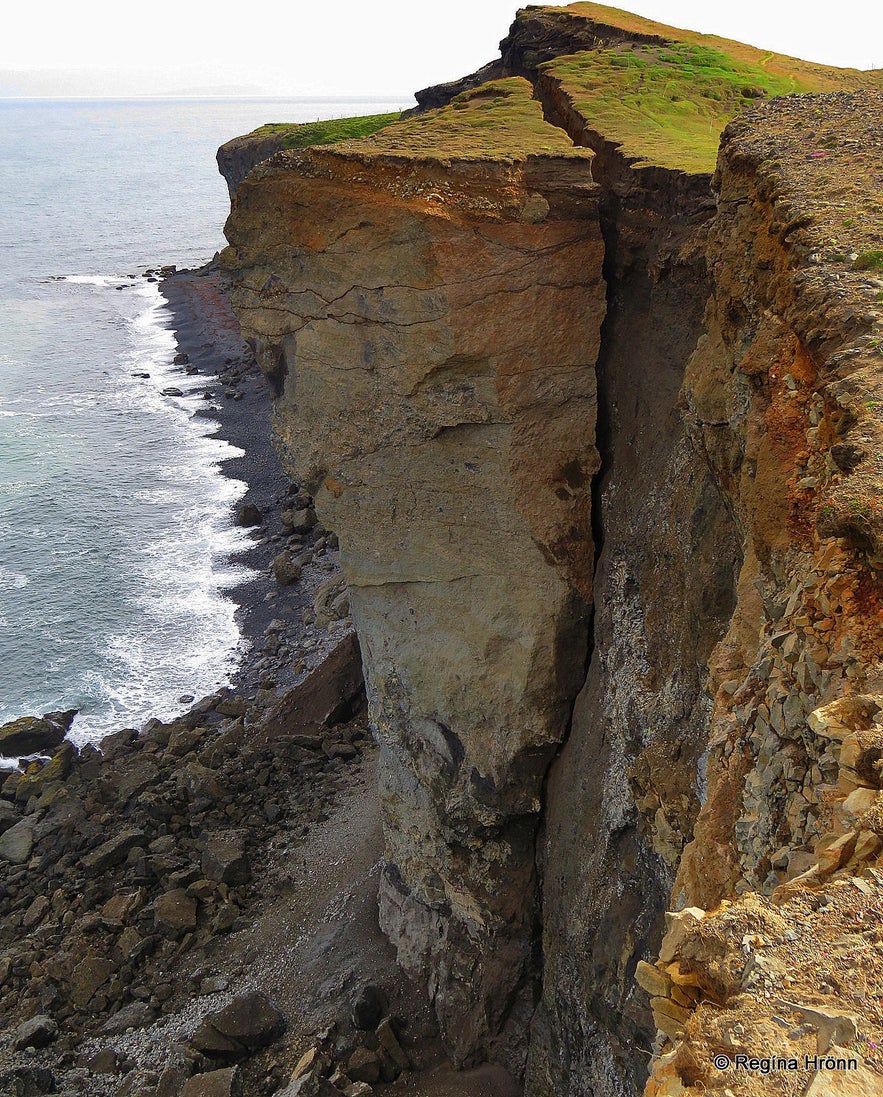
(447, 310)
(415, 311)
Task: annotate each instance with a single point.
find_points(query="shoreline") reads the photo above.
(281, 644)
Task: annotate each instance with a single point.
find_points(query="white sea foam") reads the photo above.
(184, 638)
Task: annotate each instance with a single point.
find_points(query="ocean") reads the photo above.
(116, 524)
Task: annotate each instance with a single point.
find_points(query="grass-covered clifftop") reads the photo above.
(499, 119)
(303, 135)
(664, 94)
(659, 94)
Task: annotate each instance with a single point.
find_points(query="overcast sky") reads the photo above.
(346, 47)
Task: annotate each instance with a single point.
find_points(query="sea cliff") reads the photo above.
(555, 770)
(595, 421)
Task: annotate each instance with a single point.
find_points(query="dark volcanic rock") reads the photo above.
(29, 734)
(368, 1006)
(40, 1031)
(26, 1082)
(249, 515)
(249, 1022)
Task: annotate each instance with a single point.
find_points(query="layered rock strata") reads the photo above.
(432, 309)
(437, 398)
(782, 396)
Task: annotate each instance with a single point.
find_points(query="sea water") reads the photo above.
(116, 524)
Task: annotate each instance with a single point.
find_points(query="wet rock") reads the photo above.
(38, 1032)
(30, 734)
(172, 390)
(181, 359)
(249, 1022)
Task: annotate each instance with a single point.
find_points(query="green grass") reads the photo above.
(869, 260)
(665, 104)
(328, 132)
(498, 119)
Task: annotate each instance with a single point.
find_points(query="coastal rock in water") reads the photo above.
(30, 734)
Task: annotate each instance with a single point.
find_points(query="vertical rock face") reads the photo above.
(625, 790)
(432, 331)
(571, 746)
(781, 397)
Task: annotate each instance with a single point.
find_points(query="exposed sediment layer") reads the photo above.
(438, 400)
(427, 316)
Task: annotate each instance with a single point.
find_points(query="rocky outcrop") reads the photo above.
(237, 157)
(439, 403)
(611, 539)
(781, 397)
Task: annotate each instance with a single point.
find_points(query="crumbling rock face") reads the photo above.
(438, 399)
(442, 341)
(237, 157)
(624, 792)
(781, 397)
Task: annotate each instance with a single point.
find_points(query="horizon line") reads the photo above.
(336, 96)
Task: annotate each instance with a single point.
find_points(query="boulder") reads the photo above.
(364, 1065)
(175, 912)
(27, 1081)
(38, 1032)
(368, 1007)
(224, 859)
(286, 570)
(326, 697)
(299, 521)
(30, 734)
(249, 1022)
(88, 976)
(112, 852)
(248, 515)
(17, 842)
(133, 1015)
(216, 1083)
